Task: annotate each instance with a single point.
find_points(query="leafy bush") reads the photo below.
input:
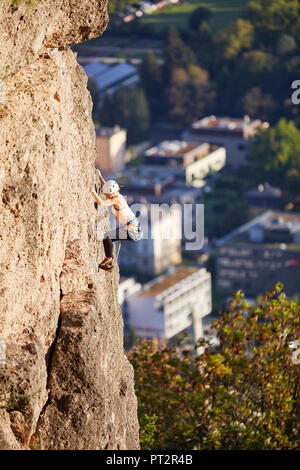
(243, 395)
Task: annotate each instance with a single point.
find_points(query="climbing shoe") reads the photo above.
(106, 264)
(107, 267)
(105, 261)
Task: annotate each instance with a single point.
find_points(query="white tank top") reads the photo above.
(124, 214)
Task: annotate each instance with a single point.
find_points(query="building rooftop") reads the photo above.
(270, 222)
(173, 148)
(213, 123)
(154, 184)
(162, 283)
(264, 190)
(95, 68)
(107, 131)
(116, 74)
(110, 76)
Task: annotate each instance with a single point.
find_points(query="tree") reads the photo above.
(235, 38)
(224, 209)
(257, 104)
(275, 156)
(150, 73)
(128, 107)
(190, 94)
(286, 44)
(106, 115)
(199, 16)
(253, 69)
(244, 394)
(177, 53)
(151, 78)
(93, 89)
(272, 18)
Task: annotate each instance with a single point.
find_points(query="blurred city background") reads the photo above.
(192, 104)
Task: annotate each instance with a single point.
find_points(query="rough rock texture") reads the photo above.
(30, 27)
(65, 382)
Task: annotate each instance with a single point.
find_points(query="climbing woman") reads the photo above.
(129, 228)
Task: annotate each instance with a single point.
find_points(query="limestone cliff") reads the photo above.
(65, 382)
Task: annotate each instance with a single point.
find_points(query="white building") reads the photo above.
(193, 161)
(232, 133)
(171, 304)
(160, 247)
(127, 286)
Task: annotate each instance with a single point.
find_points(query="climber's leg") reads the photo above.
(106, 264)
(109, 238)
(108, 247)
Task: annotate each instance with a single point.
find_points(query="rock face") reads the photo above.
(65, 382)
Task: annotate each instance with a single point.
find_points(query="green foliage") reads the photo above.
(257, 103)
(151, 73)
(190, 94)
(243, 395)
(93, 89)
(128, 107)
(152, 79)
(272, 18)
(250, 63)
(147, 431)
(177, 53)
(235, 38)
(223, 11)
(17, 402)
(224, 211)
(198, 17)
(275, 157)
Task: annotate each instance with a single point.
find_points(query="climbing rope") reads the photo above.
(119, 247)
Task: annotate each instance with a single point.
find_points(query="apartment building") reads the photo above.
(232, 133)
(262, 198)
(160, 247)
(111, 147)
(149, 185)
(191, 161)
(262, 252)
(127, 287)
(171, 304)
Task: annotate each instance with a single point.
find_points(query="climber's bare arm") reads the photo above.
(97, 198)
(106, 202)
(102, 180)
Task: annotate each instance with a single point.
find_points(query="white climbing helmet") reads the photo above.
(110, 187)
